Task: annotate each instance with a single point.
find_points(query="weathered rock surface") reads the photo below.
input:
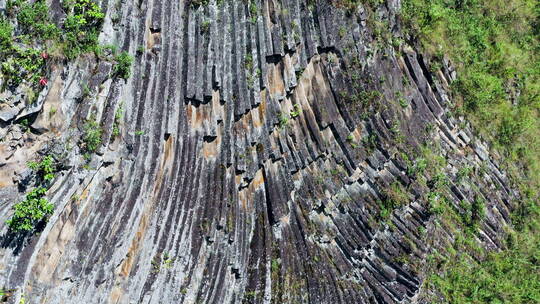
(244, 172)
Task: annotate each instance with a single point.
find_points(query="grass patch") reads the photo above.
(394, 197)
(495, 46)
(509, 276)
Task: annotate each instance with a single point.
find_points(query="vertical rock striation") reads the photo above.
(259, 143)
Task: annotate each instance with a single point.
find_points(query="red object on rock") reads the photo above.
(43, 81)
(44, 55)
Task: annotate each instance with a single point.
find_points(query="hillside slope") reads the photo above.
(252, 152)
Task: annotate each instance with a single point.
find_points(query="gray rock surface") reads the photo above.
(257, 177)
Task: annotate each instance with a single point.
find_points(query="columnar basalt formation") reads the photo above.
(259, 143)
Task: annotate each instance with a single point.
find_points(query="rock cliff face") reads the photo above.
(268, 152)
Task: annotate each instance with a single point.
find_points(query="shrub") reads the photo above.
(34, 19)
(23, 64)
(6, 39)
(81, 27)
(78, 34)
(45, 168)
(205, 26)
(436, 203)
(123, 65)
(91, 139)
(28, 213)
(367, 98)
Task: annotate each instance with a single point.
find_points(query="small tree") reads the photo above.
(91, 139)
(44, 169)
(123, 65)
(28, 213)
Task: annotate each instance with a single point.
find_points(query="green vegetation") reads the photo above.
(34, 19)
(473, 213)
(167, 260)
(418, 168)
(275, 267)
(296, 112)
(77, 34)
(21, 65)
(370, 143)
(91, 139)
(44, 169)
(495, 46)
(23, 57)
(253, 11)
(253, 77)
(118, 115)
(123, 65)
(81, 27)
(5, 36)
(393, 197)
(197, 3)
(31, 211)
(464, 272)
(248, 62)
(351, 5)
(283, 119)
(367, 98)
(510, 276)
(164, 260)
(35, 208)
(141, 49)
(403, 102)
(205, 26)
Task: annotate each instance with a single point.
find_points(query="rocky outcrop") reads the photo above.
(259, 143)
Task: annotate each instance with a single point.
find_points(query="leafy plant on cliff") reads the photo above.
(118, 115)
(23, 64)
(123, 65)
(197, 3)
(5, 36)
(34, 209)
(81, 27)
(44, 169)
(91, 138)
(34, 20)
(23, 56)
